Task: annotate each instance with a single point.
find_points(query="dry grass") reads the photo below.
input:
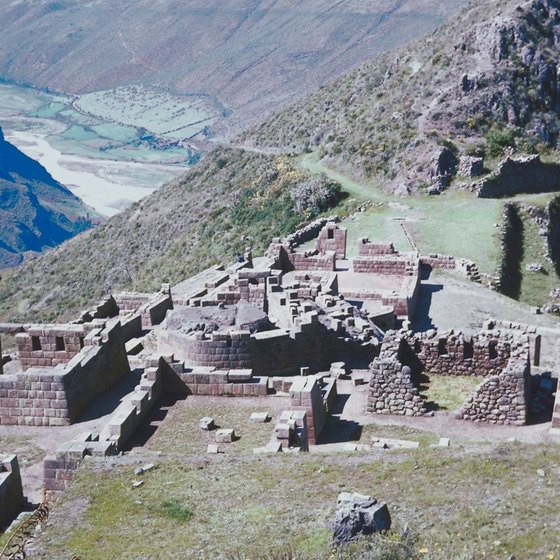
(452, 503)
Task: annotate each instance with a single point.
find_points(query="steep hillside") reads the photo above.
(485, 82)
(481, 85)
(230, 200)
(254, 55)
(36, 212)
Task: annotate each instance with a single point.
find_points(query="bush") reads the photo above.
(315, 195)
(499, 138)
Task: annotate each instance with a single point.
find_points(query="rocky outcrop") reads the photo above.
(482, 84)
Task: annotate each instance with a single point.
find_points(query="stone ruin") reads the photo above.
(501, 357)
(284, 323)
(11, 491)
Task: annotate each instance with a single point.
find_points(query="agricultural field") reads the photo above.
(132, 123)
(156, 110)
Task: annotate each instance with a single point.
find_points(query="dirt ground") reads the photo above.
(32, 443)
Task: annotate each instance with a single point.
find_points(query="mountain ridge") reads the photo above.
(482, 79)
(235, 51)
(36, 212)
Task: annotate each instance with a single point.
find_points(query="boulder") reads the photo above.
(358, 515)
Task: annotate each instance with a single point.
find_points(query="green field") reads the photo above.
(156, 110)
(454, 223)
(133, 123)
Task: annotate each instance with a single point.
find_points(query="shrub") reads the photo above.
(500, 138)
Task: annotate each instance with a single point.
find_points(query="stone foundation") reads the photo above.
(11, 492)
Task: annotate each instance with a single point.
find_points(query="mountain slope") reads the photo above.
(386, 119)
(487, 80)
(230, 200)
(254, 55)
(36, 212)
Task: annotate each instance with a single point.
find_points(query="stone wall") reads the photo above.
(11, 492)
(133, 409)
(386, 264)
(312, 260)
(511, 247)
(267, 353)
(1, 359)
(230, 350)
(392, 389)
(503, 398)
(332, 238)
(280, 352)
(56, 396)
(305, 395)
(521, 175)
(450, 353)
(106, 309)
(366, 248)
(151, 307)
(438, 261)
(309, 232)
(248, 287)
(60, 467)
(50, 345)
(217, 383)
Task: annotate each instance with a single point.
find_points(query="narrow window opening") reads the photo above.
(468, 350)
(59, 341)
(81, 342)
(35, 343)
(330, 234)
(492, 351)
(442, 347)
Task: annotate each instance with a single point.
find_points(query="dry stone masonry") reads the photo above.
(290, 323)
(501, 357)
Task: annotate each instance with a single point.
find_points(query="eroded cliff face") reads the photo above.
(36, 212)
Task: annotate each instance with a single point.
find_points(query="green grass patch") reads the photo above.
(174, 509)
(535, 286)
(456, 223)
(448, 392)
(454, 504)
(182, 425)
